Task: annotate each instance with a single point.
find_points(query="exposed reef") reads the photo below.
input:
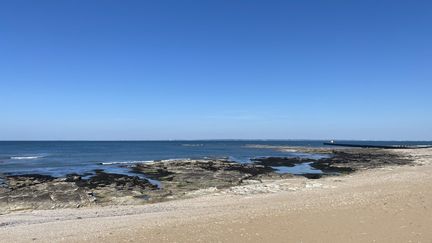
(176, 177)
(341, 161)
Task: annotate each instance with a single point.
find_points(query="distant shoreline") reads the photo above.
(209, 140)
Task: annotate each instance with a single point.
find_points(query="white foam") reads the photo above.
(26, 157)
(126, 162)
(144, 161)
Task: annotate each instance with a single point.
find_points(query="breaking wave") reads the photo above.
(141, 161)
(25, 157)
(126, 162)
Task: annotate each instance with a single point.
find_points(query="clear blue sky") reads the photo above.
(215, 69)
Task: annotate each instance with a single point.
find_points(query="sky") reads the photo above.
(243, 69)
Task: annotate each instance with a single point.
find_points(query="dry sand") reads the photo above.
(392, 204)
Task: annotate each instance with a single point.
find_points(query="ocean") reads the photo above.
(58, 158)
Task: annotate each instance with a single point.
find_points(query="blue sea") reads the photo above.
(58, 158)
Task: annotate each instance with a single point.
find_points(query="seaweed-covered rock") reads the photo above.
(45, 192)
(181, 176)
(40, 192)
(360, 159)
(177, 177)
(342, 161)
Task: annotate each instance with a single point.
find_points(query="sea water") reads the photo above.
(58, 158)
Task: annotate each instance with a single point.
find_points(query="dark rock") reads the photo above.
(73, 178)
(18, 181)
(181, 176)
(154, 172)
(312, 175)
(102, 179)
(350, 160)
(45, 192)
(177, 178)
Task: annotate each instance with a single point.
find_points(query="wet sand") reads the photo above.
(391, 204)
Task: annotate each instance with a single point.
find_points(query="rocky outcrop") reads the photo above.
(177, 179)
(38, 191)
(342, 161)
(45, 192)
(181, 176)
(349, 160)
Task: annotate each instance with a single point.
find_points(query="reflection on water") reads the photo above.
(298, 169)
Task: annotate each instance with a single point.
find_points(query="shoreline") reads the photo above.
(392, 203)
(178, 179)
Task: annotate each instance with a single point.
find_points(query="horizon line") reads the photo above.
(217, 139)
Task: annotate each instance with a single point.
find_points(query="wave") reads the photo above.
(162, 160)
(26, 157)
(126, 162)
(141, 161)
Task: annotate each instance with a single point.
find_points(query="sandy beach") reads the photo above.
(215, 121)
(391, 204)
